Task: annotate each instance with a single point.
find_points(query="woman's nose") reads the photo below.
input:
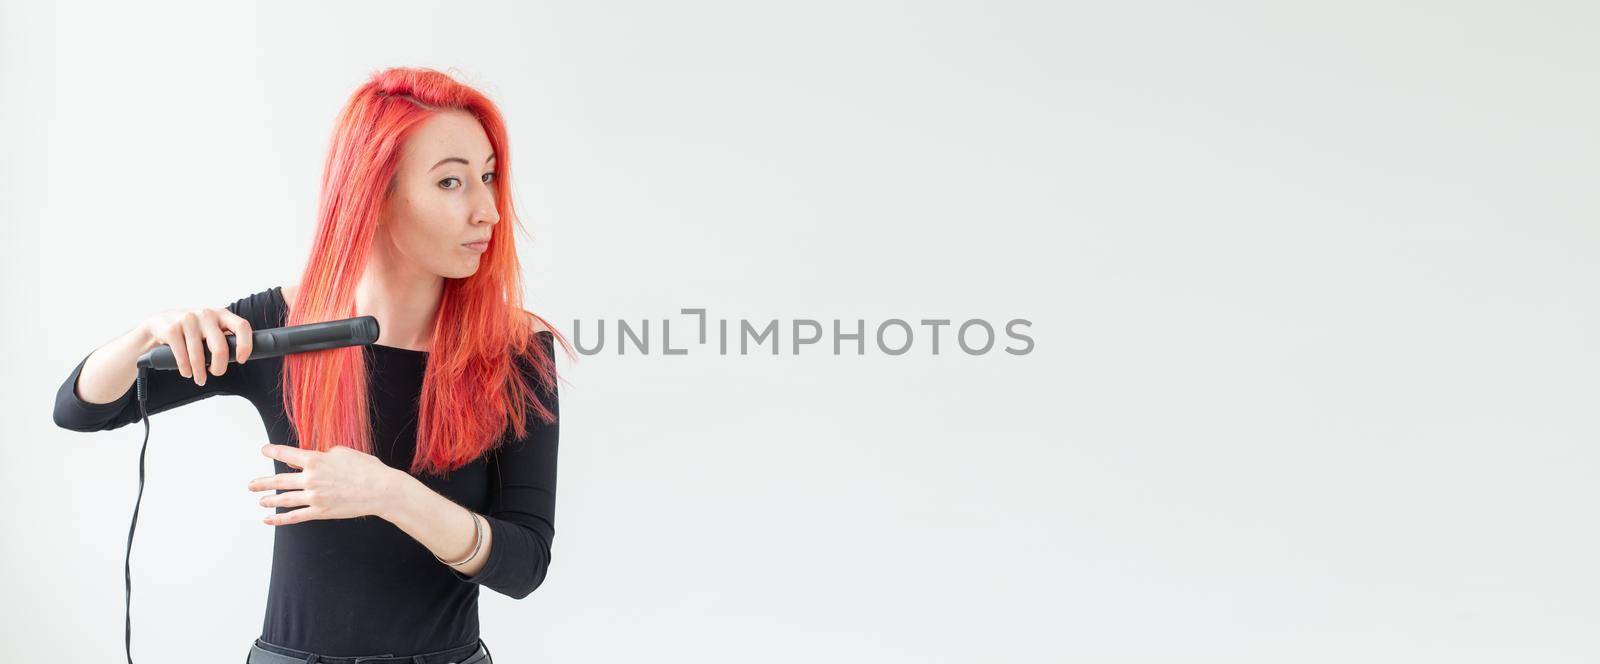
(484, 208)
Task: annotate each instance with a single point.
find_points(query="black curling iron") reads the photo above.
(272, 342)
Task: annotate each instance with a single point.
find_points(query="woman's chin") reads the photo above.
(462, 271)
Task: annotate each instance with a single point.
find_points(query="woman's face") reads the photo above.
(443, 197)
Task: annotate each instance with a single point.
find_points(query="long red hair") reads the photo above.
(473, 389)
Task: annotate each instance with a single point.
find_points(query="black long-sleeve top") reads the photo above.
(362, 586)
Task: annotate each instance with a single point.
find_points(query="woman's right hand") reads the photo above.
(190, 332)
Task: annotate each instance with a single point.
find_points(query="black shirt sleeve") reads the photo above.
(164, 389)
(522, 501)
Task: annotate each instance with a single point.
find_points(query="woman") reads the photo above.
(411, 471)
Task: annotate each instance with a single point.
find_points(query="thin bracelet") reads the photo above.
(477, 531)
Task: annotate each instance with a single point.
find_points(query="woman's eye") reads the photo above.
(488, 177)
(442, 182)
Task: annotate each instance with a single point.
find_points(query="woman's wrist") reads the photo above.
(400, 493)
(477, 543)
(143, 340)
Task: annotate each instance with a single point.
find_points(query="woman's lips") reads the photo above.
(479, 247)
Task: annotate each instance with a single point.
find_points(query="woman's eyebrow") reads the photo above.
(458, 160)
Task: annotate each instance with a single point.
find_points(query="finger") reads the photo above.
(195, 344)
(293, 516)
(286, 499)
(279, 481)
(242, 332)
(289, 454)
(173, 338)
(212, 331)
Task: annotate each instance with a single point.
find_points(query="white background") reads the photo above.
(1311, 288)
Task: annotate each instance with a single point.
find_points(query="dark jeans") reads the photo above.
(262, 652)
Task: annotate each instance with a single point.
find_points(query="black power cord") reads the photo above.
(127, 569)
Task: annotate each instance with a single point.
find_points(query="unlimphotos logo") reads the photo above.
(893, 336)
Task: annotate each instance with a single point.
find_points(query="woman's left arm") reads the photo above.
(520, 520)
(345, 483)
(440, 524)
(515, 555)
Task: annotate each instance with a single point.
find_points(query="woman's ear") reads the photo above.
(383, 204)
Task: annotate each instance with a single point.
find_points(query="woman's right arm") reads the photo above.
(109, 371)
(99, 394)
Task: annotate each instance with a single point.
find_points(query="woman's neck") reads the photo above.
(404, 300)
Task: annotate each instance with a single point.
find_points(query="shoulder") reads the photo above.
(261, 309)
(539, 324)
(544, 338)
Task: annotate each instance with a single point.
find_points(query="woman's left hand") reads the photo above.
(340, 483)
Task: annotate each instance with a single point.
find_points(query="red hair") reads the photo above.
(473, 388)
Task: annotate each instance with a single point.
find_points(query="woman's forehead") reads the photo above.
(445, 135)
